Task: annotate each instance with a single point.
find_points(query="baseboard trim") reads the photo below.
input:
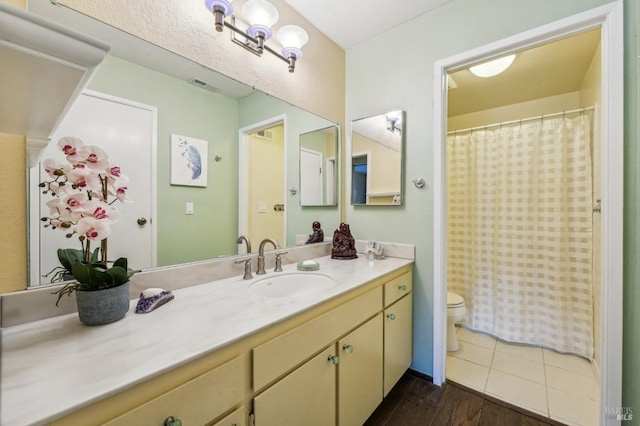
(420, 375)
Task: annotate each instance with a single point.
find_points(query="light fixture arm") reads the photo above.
(259, 41)
(262, 15)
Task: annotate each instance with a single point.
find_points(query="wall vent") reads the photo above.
(265, 134)
(204, 85)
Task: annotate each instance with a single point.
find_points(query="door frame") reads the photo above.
(609, 18)
(243, 169)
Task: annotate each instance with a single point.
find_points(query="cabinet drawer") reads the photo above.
(396, 288)
(276, 357)
(237, 418)
(197, 402)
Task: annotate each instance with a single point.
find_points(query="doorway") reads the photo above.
(262, 181)
(609, 19)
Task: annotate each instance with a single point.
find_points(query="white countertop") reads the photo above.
(53, 367)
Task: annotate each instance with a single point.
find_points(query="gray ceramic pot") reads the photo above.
(103, 306)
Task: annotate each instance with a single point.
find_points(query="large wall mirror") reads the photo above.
(318, 167)
(376, 159)
(186, 223)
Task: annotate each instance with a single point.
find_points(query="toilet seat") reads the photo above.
(454, 300)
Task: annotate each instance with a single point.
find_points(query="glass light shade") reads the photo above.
(292, 36)
(223, 5)
(492, 68)
(260, 13)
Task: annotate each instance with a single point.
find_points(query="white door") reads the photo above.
(310, 178)
(126, 131)
(331, 182)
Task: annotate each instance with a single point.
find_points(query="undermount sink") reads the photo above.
(292, 284)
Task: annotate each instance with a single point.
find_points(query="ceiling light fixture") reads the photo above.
(261, 16)
(394, 124)
(492, 68)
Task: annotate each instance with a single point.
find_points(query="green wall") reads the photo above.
(406, 82)
(185, 110)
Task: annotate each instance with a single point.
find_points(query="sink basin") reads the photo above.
(292, 284)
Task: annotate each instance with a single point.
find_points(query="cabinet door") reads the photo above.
(306, 396)
(360, 373)
(398, 348)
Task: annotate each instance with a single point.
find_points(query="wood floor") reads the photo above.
(415, 401)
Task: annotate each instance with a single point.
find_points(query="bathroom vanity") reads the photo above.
(221, 353)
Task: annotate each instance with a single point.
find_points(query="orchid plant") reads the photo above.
(83, 191)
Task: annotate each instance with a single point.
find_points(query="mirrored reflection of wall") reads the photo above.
(189, 110)
(186, 110)
(376, 159)
(260, 107)
(318, 169)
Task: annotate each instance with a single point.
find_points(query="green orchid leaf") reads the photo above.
(68, 257)
(121, 262)
(119, 275)
(82, 272)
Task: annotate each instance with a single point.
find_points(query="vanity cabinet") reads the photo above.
(398, 349)
(331, 364)
(307, 396)
(398, 329)
(349, 371)
(360, 372)
(362, 349)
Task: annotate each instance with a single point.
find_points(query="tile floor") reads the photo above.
(561, 387)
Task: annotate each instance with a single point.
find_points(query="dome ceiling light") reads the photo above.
(493, 68)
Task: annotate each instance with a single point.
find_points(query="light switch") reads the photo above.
(189, 208)
(262, 208)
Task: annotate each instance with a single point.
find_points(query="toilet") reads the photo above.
(456, 311)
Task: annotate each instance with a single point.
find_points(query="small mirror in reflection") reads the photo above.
(376, 159)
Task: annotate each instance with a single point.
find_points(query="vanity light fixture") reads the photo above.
(261, 16)
(492, 68)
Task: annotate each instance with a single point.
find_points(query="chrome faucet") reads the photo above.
(261, 270)
(246, 240)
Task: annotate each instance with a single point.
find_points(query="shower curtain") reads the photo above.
(519, 246)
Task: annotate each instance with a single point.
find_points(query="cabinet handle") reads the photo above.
(391, 316)
(402, 287)
(334, 360)
(348, 348)
(171, 421)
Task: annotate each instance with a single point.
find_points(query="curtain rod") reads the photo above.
(520, 121)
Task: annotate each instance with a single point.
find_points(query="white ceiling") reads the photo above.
(350, 22)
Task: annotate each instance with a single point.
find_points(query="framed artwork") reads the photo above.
(188, 161)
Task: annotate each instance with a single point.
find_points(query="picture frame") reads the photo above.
(188, 161)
